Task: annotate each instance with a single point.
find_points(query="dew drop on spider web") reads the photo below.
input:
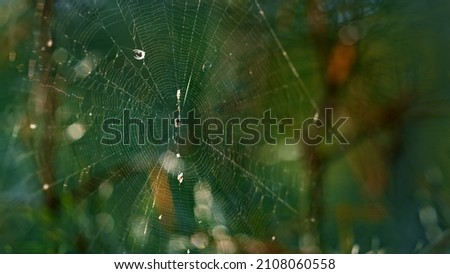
(316, 117)
(139, 54)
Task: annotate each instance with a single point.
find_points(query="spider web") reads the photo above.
(159, 59)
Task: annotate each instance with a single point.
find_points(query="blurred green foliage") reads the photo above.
(65, 66)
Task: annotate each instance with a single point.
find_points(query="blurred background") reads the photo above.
(67, 65)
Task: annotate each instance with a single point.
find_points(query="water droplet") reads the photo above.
(75, 131)
(316, 117)
(180, 177)
(207, 65)
(139, 54)
(177, 122)
(12, 56)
